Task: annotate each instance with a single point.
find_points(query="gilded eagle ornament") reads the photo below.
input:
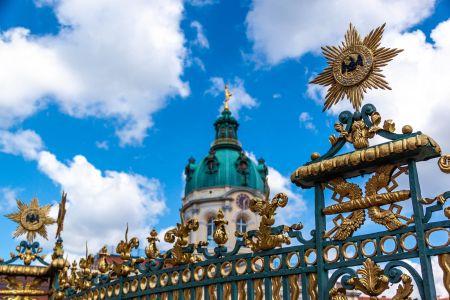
(32, 219)
(355, 67)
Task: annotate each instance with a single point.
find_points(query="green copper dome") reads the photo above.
(226, 163)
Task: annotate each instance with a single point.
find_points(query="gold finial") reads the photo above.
(355, 67)
(61, 215)
(228, 96)
(220, 233)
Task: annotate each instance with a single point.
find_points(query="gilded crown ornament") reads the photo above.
(32, 219)
(355, 67)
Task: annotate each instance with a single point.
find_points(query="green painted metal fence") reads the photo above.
(343, 255)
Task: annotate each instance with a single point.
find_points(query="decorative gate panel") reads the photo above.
(370, 219)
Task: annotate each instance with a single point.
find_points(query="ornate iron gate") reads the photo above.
(364, 237)
(319, 268)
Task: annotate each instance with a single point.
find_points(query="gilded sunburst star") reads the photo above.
(355, 67)
(32, 219)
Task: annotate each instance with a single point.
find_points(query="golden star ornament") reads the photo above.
(354, 67)
(32, 219)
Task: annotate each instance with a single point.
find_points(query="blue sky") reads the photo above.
(108, 99)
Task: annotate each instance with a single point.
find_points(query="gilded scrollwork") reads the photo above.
(182, 251)
(359, 133)
(444, 163)
(264, 238)
(129, 264)
(28, 252)
(338, 293)
(405, 289)
(444, 263)
(384, 177)
(373, 282)
(304, 175)
(24, 289)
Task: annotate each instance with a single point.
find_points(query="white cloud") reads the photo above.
(240, 99)
(102, 145)
(8, 196)
(202, 2)
(200, 39)
(23, 142)
(306, 119)
(100, 203)
(276, 96)
(163, 245)
(289, 29)
(111, 59)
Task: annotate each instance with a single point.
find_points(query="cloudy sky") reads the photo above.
(107, 99)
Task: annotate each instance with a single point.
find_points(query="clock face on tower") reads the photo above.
(242, 201)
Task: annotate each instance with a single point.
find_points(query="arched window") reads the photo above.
(210, 231)
(243, 166)
(241, 224)
(230, 133)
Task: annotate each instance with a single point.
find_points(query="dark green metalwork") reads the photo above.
(292, 273)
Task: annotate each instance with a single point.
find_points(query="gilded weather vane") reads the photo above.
(32, 219)
(355, 67)
(228, 96)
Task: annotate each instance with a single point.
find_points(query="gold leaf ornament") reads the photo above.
(372, 282)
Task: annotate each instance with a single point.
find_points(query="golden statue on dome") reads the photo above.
(228, 96)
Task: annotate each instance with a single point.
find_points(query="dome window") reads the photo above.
(211, 162)
(242, 164)
(222, 132)
(230, 133)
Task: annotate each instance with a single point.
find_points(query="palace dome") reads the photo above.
(226, 164)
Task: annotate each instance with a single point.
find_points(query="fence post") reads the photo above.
(322, 274)
(425, 262)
